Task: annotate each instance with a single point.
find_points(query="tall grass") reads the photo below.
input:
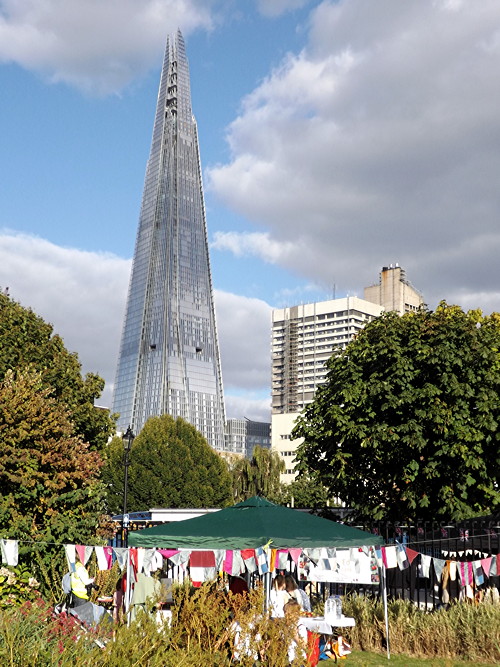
(464, 631)
(202, 633)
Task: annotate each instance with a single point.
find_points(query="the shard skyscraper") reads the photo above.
(169, 357)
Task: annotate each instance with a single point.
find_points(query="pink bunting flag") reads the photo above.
(227, 565)
(167, 553)
(80, 550)
(486, 565)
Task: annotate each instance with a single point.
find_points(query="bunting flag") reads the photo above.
(389, 557)
(149, 561)
(494, 569)
(282, 559)
(272, 560)
(168, 553)
(465, 572)
(478, 572)
(219, 554)
(486, 565)
(238, 564)
(453, 570)
(202, 566)
(425, 565)
(80, 550)
(295, 555)
(402, 558)
(70, 556)
(102, 561)
(261, 560)
(249, 559)
(411, 554)
(227, 565)
(121, 556)
(438, 567)
(181, 557)
(10, 552)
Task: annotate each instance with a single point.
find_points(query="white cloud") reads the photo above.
(98, 45)
(377, 143)
(244, 326)
(273, 8)
(257, 409)
(83, 294)
(254, 244)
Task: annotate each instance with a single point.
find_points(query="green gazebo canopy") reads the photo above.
(251, 524)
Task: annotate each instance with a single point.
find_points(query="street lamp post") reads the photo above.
(128, 439)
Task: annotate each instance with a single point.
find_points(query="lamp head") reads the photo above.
(128, 439)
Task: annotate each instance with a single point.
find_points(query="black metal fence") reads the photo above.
(466, 541)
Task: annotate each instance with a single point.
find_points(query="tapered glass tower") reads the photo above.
(169, 357)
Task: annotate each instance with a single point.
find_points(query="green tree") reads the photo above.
(258, 476)
(306, 491)
(171, 465)
(27, 340)
(50, 479)
(406, 425)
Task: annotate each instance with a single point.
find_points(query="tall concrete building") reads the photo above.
(303, 339)
(169, 357)
(394, 291)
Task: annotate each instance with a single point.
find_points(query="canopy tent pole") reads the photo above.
(267, 588)
(128, 592)
(386, 614)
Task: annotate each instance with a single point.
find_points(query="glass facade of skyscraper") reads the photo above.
(169, 357)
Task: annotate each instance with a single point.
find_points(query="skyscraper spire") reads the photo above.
(169, 357)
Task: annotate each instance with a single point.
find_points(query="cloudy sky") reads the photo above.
(335, 137)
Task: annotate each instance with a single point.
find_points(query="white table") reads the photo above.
(321, 626)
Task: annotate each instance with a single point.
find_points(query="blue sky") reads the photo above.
(335, 138)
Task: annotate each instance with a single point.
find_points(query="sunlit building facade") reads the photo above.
(169, 358)
(304, 337)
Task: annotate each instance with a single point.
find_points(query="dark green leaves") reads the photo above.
(406, 425)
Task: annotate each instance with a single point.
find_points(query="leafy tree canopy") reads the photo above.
(171, 465)
(258, 476)
(49, 478)
(306, 492)
(406, 425)
(27, 340)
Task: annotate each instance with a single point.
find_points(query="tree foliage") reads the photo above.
(171, 465)
(306, 491)
(258, 476)
(27, 340)
(49, 478)
(406, 425)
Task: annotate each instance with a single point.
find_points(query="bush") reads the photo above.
(17, 585)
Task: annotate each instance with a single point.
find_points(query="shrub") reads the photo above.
(17, 585)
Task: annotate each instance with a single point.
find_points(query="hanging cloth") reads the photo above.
(248, 556)
(121, 556)
(486, 565)
(10, 552)
(282, 559)
(478, 572)
(261, 560)
(425, 565)
(403, 561)
(438, 567)
(70, 556)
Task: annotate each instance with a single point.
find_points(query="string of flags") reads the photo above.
(205, 564)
